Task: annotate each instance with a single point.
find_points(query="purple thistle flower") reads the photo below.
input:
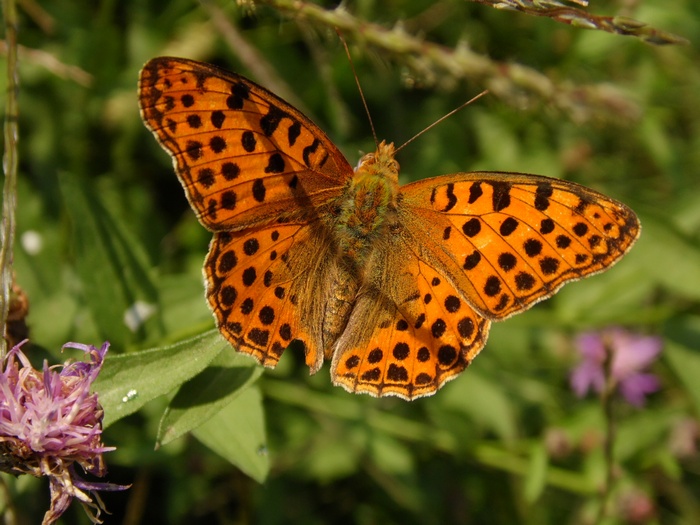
(49, 421)
(630, 354)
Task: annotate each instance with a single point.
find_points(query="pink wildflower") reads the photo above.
(630, 353)
(49, 421)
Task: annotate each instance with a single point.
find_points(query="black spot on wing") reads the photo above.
(475, 192)
(501, 195)
(293, 133)
(239, 94)
(542, 194)
(310, 150)
(271, 120)
(451, 198)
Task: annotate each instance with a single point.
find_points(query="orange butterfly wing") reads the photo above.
(259, 172)
(449, 256)
(244, 156)
(517, 238)
(410, 331)
(472, 247)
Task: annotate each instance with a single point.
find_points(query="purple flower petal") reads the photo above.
(636, 387)
(630, 353)
(50, 422)
(633, 352)
(591, 346)
(587, 376)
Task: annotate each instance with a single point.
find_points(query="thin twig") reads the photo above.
(515, 84)
(51, 63)
(609, 438)
(557, 11)
(40, 16)
(9, 162)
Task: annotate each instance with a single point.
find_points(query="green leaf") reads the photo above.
(680, 352)
(536, 476)
(390, 455)
(642, 431)
(114, 272)
(127, 382)
(667, 254)
(334, 459)
(611, 297)
(187, 312)
(198, 400)
(237, 433)
(485, 401)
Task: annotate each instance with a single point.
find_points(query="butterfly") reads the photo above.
(396, 285)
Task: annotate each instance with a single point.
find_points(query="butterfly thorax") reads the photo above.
(368, 203)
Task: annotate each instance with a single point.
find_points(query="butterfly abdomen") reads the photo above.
(338, 303)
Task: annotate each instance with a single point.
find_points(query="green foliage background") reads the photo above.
(507, 442)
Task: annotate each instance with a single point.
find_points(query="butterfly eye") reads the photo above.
(365, 159)
(394, 167)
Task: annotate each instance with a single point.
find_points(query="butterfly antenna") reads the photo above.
(402, 146)
(359, 87)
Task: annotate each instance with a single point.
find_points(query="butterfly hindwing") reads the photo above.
(409, 331)
(278, 283)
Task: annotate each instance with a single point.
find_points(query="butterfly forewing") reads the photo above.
(518, 238)
(244, 156)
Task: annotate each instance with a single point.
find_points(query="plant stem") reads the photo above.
(609, 438)
(9, 204)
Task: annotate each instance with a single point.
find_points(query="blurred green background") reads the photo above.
(103, 225)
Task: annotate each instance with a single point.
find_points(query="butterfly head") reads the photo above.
(381, 163)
